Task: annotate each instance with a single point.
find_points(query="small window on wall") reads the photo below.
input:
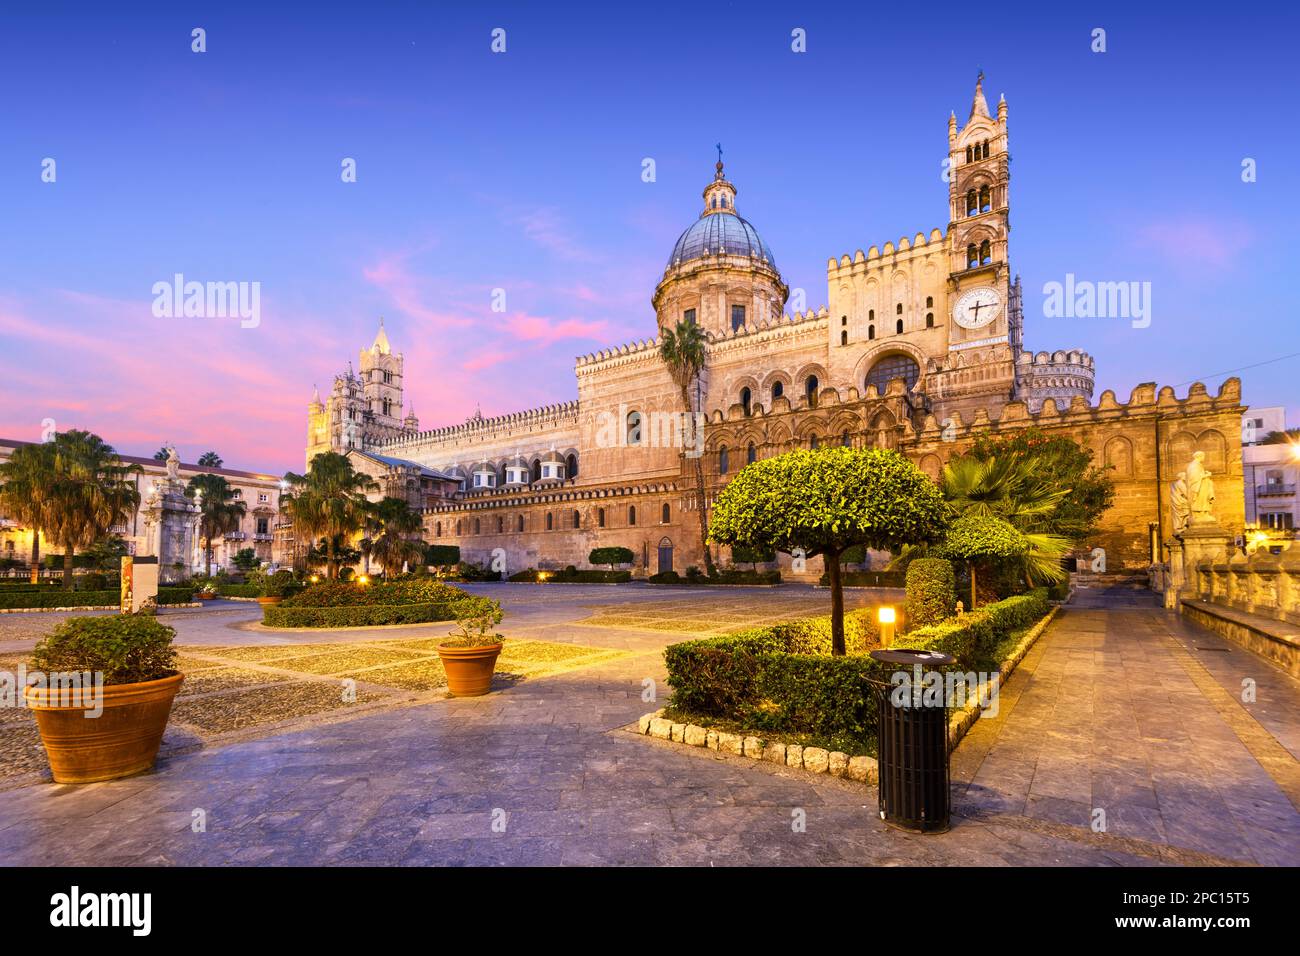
(871, 331)
(929, 302)
(810, 391)
(844, 439)
(667, 514)
(898, 309)
(778, 389)
(689, 316)
(723, 463)
(600, 517)
(898, 327)
(501, 525)
(814, 443)
(986, 253)
(929, 320)
(751, 454)
(521, 523)
(737, 317)
(634, 428)
(631, 514)
(550, 521)
(478, 526)
(577, 518)
(844, 338)
(746, 400)
(437, 529)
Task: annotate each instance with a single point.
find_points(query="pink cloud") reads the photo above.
(1196, 243)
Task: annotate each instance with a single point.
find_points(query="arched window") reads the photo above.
(437, 529)
(631, 514)
(600, 517)
(666, 514)
(985, 200)
(577, 518)
(844, 338)
(891, 367)
(898, 326)
(844, 320)
(713, 204)
(814, 443)
(746, 397)
(478, 526)
(572, 463)
(929, 320)
(871, 315)
(986, 253)
(844, 438)
(737, 317)
(972, 256)
(634, 428)
(778, 389)
(929, 302)
(537, 469)
(724, 465)
(898, 309)
(810, 391)
(751, 454)
(986, 149)
(550, 521)
(871, 331)
(521, 522)
(970, 155)
(972, 203)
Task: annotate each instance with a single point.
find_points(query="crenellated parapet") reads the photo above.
(547, 417)
(1061, 375)
(888, 257)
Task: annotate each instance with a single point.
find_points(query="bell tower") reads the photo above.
(381, 378)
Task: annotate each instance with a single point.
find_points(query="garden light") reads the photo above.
(885, 618)
(314, 578)
(363, 579)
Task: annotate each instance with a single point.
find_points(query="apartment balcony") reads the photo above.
(263, 537)
(1263, 491)
(236, 535)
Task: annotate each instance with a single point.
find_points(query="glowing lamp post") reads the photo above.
(885, 618)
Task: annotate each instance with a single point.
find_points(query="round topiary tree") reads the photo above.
(610, 556)
(931, 592)
(978, 539)
(825, 501)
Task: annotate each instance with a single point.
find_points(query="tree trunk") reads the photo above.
(971, 565)
(207, 557)
(67, 568)
(832, 561)
(700, 498)
(36, 555)
(331, 569)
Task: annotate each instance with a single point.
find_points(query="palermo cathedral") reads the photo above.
(919, 349)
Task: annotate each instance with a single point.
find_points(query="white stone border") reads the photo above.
(88, 607)
(812, 759)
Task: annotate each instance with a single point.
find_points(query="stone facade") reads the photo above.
(919, 349)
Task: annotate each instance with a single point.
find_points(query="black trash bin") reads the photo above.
(913, 748)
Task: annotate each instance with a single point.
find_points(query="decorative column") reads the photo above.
(171, 525)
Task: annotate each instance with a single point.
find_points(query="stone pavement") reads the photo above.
(1151, 732)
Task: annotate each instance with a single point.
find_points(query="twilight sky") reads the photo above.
(522, 171)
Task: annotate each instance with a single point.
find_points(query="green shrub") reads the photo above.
(665, 577)
(362, 615)
(126, 649)
(476, 621)
(573, 575)
(972, 637)
(165, 596)
(610, 556)
(239, 590)
(410, 591)
(744, 554)
(866, 579)
(724, 576)
(931, 592)
(442, 555)
(472, 572)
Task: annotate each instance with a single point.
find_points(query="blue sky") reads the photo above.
(522, 171)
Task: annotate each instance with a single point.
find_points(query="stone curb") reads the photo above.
(961, 721)
(811, 759)
(86, 607)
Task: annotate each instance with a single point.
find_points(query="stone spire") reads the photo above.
(381, 340)
(979, 106)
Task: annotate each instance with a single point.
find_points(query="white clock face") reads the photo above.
(977, 308)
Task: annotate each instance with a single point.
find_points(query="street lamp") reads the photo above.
(885, 618)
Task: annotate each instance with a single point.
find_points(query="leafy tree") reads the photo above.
(220, 511)
(742, 554)
(442, 555)
(1288, 437)
(610, 556)
(162, 454)
(825, 501)
(1059, 462)
(91, 491)
(105, 554)
(682, 350)
(210, 459)
(977, 539)
(394, 537)
(26, 490)
(245, 559)
(931, 592)
(329, 501)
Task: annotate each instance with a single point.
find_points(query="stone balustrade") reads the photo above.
(1264, 584)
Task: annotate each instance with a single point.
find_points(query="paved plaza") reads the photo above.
(1121, 707)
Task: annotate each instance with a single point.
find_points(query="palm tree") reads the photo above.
(1012, 487)
(682, 349)
(26, 484)
(210, 459)
(92, 491)
(394, 523)
(162, 454)
(220, 511)
(328, 501)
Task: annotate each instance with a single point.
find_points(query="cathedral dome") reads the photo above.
(719, 230)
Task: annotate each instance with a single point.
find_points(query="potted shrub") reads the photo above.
(273, 588)
(207, 593)
(113, 728)
(469, 654)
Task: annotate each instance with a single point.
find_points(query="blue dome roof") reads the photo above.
(720, 232)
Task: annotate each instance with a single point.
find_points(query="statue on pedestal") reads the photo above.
(1178, 502)
(1200, 490)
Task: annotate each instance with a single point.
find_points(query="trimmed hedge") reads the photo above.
(611, 556)
(735, 576)
(783, 679)
(931, 592)
(361, 615)
(58, 598)
(412, 591)
(572, 575)
(866, 579)
(239, 590)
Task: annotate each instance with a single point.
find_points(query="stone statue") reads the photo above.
(173, 466)
(1200, 490)
(1178, 501)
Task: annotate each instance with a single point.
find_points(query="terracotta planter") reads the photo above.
(204, 596)
(121, 741)
(469, 669)
(270, 601)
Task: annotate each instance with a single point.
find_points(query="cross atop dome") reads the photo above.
(719, 195)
